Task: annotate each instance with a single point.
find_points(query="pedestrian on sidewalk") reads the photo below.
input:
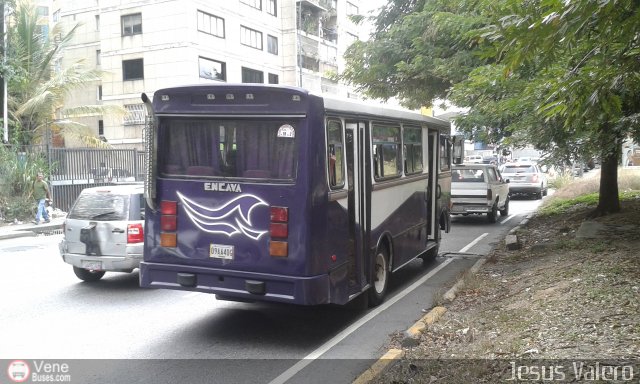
(41, 194)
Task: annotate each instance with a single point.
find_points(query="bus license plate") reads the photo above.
(221, 251)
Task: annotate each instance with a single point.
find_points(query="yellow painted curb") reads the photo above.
(379, 366)
(433, 315)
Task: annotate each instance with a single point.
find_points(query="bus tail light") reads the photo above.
(279, 214)
(278, 248)
(135, 233)
(168, 223)
(169, 240)
(168, 207)
(279, 229)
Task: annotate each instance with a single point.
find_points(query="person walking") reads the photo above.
(41, 194)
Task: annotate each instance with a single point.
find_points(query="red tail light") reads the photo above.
(279, 229)
(534, 178)
(489, 194)
(168, 207)
(279, 214)
(135, 233)
(168, 223)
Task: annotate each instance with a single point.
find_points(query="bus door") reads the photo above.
(358, 206)
(433, 189)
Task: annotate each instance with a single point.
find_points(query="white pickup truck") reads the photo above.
(479, 189)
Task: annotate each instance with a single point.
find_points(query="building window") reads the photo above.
(97, 22)
(131, 24)
(352, 9)
(135, 114)
(132, 69)
(273, 78)
(56, 16)
(272, 44)
(252, 76)
(98, 60)
(100, 127)
(210, 24)
(272, 7)
(212, 69)
(250, 37)
(99, 95)
(257, 4)
(42, 11)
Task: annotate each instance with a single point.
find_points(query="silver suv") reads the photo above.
(104, 231)
(526, 178)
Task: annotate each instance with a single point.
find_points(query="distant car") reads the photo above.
(526, 178)
(479, 189)
(104, 231)
(474, 159)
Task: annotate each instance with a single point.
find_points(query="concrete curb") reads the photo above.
(412, 335)
(30, 231)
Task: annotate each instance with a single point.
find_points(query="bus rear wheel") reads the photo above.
(380, 278)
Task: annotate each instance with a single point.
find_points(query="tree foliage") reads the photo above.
(38, 86)
(561, 75)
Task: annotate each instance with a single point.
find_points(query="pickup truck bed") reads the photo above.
(479, 189)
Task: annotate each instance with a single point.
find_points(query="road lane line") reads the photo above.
(507, 219)
(300, 365)
(474, 242)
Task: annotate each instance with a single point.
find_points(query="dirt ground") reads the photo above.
(561, 308)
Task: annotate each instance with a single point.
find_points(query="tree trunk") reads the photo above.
(608, 201)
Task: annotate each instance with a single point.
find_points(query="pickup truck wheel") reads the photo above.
(539, 194)
(505, 210)
(88, 275)
(492, 216)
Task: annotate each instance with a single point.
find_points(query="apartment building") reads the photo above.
(145, 45)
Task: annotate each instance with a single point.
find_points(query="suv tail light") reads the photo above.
(135, 233)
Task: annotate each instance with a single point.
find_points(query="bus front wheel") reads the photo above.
(380, 278)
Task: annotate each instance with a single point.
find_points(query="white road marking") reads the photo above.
(300, 365)
(507, 219)
(474, 242)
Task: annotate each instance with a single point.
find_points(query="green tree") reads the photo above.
(38, 85)
(546, 72)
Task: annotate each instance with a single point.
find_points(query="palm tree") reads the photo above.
(38, 87)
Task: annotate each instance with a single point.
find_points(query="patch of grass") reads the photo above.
(560, 206)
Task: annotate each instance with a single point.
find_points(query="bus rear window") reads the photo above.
(254, 149)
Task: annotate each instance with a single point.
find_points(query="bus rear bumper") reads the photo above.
(239, 285)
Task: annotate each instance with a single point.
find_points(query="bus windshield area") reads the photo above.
(242, 148)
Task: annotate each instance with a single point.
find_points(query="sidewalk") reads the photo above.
(12, 231)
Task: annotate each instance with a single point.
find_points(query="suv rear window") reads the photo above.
(100, 206)
(520, 169)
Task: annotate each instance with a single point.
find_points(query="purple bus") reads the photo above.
(270, 193)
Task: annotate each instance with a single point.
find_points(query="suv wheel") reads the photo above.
(492, 216)
(88, 275)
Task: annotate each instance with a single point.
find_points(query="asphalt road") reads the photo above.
(114, 331)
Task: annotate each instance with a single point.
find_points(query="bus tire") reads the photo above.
(380, 278)
(429, 256)
(87, 275)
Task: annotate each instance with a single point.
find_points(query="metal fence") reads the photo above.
(74, 169)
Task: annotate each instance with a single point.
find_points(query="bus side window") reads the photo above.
(335, 154)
